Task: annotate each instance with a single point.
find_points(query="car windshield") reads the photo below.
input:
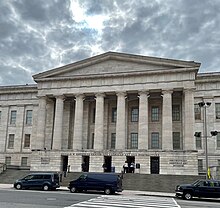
(195, 182)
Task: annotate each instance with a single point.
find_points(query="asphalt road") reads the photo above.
(40, 199)
(198, 203)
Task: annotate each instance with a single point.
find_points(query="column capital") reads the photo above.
(167, 91)
(61, 97)
(121, 93)
(186, 90)
(79, 96)
(100, 94)
(144, 92)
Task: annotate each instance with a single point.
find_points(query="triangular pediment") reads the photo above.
(112, 63)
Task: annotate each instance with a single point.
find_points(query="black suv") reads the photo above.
(44, 181)
(200, 188)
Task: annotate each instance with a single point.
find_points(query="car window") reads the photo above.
(28, 177)
(47, 176)
(38, 177)
(82, 177)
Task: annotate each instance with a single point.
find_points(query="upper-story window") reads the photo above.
(197, 111)
(11, 141)
(176, 141)
(113, 140)
(134, 114)
(0, 117)
(155, 142)
(155, 113)
(27, 140)
(134, 140)
(198, 141)
(176, 112)
(114, 115)
(217, 110)
(29, 117)
(13, 117)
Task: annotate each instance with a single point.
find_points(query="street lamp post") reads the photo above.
(205, 105)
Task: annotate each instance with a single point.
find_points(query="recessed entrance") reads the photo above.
(155, 165)
(65, 164)
(107, 164)
(85, 163)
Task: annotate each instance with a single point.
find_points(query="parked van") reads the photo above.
(44, 181)
(107, 182)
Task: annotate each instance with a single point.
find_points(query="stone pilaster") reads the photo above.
(41, 124)
(99, 122)
(120, 123)
(143, 121)
(78, 123)
(58, 123)
(189, 141)
(167, 129)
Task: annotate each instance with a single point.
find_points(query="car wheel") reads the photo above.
(187, 195)
(73, 189)
(18, 186)
(46, 187)
(107, 191)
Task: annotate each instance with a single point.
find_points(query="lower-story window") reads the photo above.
(113, 139)
(177, 141)
(24, 161)
(134, 140)
(200, 165)
(8, 160)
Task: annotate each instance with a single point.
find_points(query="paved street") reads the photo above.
(128, 201)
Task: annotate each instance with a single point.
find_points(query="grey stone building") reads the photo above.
(109, 109)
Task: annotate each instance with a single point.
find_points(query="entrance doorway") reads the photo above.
(130, 160)
(65, 164)
(85, 163)
(155, 165)
(107, 164)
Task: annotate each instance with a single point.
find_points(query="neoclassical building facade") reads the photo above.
(109, 109)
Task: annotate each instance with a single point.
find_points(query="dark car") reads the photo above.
(200, 188)
(107, 182)
(44, 181)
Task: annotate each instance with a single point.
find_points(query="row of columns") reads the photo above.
(167, 143)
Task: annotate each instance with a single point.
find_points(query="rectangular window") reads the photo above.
(217, 110)
(13, 117)
(113, 139)
(176, 112)
(11, 141)
(155, 140)
(27, 139)
(134, 140)
(0, 116)
(218, 140)
(29, 117)
(92, 142)
(197, 111)
(134, 115)
(24, 161)
(198, 142)
(176, 141)
(8, 160)
(200, 165)
(114, 115)
(155, 113)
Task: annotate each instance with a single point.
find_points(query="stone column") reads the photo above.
(143, 121)
(41, 124)
(99, 122)
(78, 123)
(120, 123)
(167, 128)
(58, 123)
(189, 141)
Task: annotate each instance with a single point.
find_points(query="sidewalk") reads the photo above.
(125, 192)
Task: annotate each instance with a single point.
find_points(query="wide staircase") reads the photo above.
(131, 181)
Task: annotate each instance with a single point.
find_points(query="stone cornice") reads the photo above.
(116, 56)
(18, 89)
(121, 74)
(208, 77)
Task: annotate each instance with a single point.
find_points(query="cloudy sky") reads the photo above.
(38, 35)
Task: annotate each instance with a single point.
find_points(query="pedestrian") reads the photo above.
(125, 167)
(132, 165)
